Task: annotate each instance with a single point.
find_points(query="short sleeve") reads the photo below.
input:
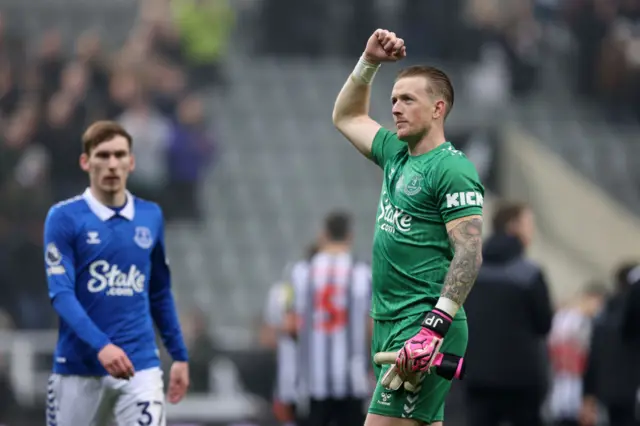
(385, 145)
(459, 190)
(274, 308)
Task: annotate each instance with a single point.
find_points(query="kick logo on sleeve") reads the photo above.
(469, 198)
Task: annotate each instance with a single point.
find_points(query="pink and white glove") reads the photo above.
(419, 353)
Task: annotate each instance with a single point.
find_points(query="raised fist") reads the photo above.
(384, 46)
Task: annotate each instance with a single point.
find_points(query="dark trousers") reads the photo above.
(491, 407)
(622, 415)
(566, 423)
(335, 412)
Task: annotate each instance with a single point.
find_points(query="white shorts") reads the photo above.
(97, 401)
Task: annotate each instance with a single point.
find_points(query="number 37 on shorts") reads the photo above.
(103, 401)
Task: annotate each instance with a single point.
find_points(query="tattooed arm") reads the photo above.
(420, 352)
(465, 235)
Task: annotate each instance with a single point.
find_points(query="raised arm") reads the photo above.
(351, 109)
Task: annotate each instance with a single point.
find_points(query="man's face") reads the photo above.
(414, 109)
(109, 165)
(524, 227)
(593, 304)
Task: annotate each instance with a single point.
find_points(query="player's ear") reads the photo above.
(84, 162)
(132, 163)
(439, 109)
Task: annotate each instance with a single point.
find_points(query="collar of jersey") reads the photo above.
(105, 213)
(444, 145)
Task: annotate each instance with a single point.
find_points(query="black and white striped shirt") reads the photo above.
(332, 301)
(278, 303)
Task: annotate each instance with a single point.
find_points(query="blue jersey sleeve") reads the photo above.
(61, 277)
(163, 308)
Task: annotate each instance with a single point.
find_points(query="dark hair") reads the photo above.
(438, 83)
(506, 214)
(338, 226)
(103, 131)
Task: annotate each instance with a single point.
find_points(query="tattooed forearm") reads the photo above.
(466, 239)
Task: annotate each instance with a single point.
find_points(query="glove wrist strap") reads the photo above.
(437, 321)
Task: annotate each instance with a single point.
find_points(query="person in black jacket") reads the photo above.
(612, 377)
(510, 314)
(631, 313)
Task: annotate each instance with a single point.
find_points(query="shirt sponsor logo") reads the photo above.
(461, 199)
(109, 278)
(392, 219)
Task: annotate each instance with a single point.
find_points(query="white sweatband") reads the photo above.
(365, 71)
(447, 306)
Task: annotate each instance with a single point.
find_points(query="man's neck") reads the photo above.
(431, 140)
(336, 248)
(110, 199)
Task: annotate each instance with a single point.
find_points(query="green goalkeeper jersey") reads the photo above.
(411, 249)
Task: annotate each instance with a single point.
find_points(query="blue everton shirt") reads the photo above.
(109, 282)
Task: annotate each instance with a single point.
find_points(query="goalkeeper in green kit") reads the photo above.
(427, 246)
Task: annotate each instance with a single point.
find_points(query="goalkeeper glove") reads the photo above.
(391, 379)
(447, 366)
(419, 352)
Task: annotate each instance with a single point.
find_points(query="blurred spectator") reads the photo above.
(9, 93)
(31, 307)
(8, 405)
(12, 47)
(123, 89)
(507, 374)
(169, 84)
(631, 315)
(60, 133)
(50, 62)
(569, 347)
(205, 27)
(202, 350)
(612, 377)
(150, 131)
(89, 53)
(189, 153)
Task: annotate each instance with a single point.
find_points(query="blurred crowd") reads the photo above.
(513, 38)
(608, 62)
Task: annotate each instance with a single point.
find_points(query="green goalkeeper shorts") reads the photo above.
(427, 405)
